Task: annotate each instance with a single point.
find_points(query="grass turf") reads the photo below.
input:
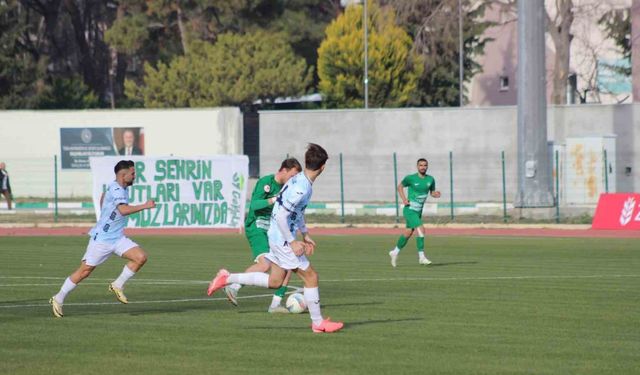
(486, 306)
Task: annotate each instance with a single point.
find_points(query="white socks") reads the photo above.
(66, 288)
(275, 302)
(235, 286)
(312, 297)
(395, 250)
(421, 255)
(250, 278)
(124, 276)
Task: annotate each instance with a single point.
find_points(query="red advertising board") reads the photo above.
(617, 211)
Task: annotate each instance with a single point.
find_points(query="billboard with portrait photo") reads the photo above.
(129, 141)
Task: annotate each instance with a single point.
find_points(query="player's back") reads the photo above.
(111, 224)
(294, 198)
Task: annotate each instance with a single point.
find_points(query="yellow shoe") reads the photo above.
(119, 294)
(56, 307)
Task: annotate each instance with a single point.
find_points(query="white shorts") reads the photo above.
(98, 252)
(283, 256)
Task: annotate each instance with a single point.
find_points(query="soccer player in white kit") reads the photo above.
(285, 251)
(107, 237)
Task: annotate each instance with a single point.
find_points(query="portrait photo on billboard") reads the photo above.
(129, 141)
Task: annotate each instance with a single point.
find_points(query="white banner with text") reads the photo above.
(198, 192)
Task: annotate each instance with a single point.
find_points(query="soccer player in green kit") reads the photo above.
(257, 224)
(419, 186)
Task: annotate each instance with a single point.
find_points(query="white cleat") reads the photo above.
(232, 295)
(278, 310)
(56, 307)
(425, 261)
(394, 258)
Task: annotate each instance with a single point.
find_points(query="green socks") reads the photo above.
(281, 291)
(402, 241)
(420, 243)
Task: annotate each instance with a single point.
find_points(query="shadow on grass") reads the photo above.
(347, 325)
(450, 264)
(264, 310)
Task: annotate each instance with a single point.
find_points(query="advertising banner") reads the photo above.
(617, 211)
(77, 145)
(199, 192)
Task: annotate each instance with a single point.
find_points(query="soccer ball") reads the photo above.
(296, 303)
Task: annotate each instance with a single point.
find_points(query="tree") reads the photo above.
(21, 69)
(68, 93)
(617, 25)
(559, 28)
(393, 68)
(236, 70)
(433, 25)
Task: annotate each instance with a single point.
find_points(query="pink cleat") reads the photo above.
(218, 282)
(327, 326)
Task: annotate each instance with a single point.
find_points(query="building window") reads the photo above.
(504, 83)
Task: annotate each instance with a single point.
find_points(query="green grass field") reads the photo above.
(486, 306)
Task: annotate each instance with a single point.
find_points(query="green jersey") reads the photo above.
(259, 209)
(419, 188)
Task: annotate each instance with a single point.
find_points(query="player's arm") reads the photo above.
(310, 243)
(400, 189)
(434, 193)
(259, 198)
(125, 209)
(101, 199)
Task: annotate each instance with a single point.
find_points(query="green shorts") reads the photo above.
(258, 241)
(413, 218)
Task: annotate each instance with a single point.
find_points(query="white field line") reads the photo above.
(139, 302)
(202, 282)
(296, 289)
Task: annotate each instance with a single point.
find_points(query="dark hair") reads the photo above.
(291, 163)
(123, 164)
(422, 159)
(315, 157)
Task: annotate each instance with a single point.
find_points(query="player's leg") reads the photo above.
(95, 255)
(281, 258)
(309, 277)
(259, 244)
(409, 217)
(276, 301)
(7, 196)
(422, 259)
(136, 259)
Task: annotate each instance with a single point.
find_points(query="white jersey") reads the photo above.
(294, 198)
(110, 226)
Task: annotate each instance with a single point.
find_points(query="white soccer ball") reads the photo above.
(296, 303)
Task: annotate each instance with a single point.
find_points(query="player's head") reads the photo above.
(289, 168)
(422, 165)
(125, 172)
(128, 137)
(315, 158)
(2, 165)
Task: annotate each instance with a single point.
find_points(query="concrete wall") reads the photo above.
(30, 139)
(368, 139)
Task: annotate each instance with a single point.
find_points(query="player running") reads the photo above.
(285, 251)
(419, 186)
(257, 224)
(107, 237)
